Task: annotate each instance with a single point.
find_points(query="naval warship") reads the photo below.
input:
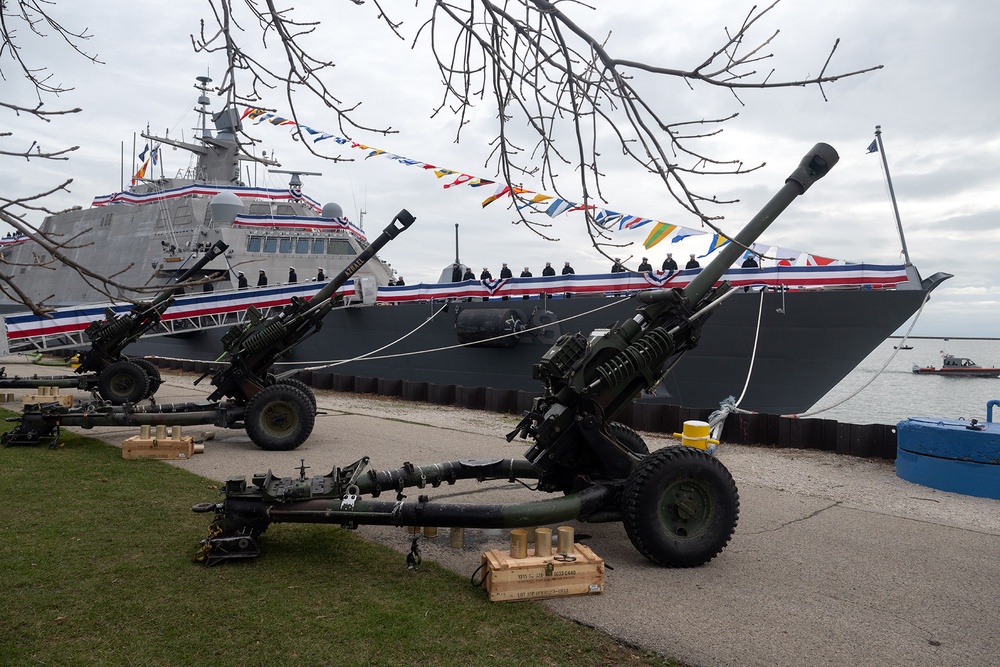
(780, 342)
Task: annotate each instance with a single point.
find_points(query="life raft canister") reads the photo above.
(490, 327)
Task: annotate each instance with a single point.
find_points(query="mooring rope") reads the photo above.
(337, 362)
(327, 363)
(878, 373)
(717, 419)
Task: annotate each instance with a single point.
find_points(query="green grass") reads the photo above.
(95, 569)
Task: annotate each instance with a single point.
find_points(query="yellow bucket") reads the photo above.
(696, 435)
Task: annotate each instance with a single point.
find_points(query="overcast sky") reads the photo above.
(935, 98)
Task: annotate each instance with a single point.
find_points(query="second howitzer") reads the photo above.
(104, 367)
(278, 414)
(679, 505)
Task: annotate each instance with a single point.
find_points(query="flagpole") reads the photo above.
(892, 194)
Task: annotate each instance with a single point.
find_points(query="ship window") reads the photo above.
(254, 243)
(260, 209)
(318, 246)
(270, 244)
(340, 247)
(285, 209)
(285, 245)
(302, 246)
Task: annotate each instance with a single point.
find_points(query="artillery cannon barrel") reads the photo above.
(814, 166)
(399, 224)
(569, 507)
(217, 249)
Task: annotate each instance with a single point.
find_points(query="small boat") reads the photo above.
(958, 366)
(902, 347)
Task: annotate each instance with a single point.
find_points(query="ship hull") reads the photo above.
(960, 372)
(807, 342)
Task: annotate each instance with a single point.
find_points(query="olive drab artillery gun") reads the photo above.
(104, 367)
(679, 505)
(278, 414)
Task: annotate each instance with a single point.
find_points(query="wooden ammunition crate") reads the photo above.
(537, 577)
(65, 400)
(150, 448)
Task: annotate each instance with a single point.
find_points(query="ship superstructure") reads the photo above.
(148, 233)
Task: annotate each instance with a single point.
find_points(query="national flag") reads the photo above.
(155, 155)
(873, 146)
(661, 231)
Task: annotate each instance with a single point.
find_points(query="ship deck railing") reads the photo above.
(64, 328)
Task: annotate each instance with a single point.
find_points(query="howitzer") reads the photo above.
(679, 505)
(252, 349)
(278, 414)
(104, 367)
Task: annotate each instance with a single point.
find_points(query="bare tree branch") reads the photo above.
(564, 101)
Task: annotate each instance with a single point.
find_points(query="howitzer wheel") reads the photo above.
(152, 372)
(628, 437)
(280, 417)
(681, 506)
(299, 384)
(123, 382)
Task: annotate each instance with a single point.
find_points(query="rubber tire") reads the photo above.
(299, 384)
(123, 382)
(628, 437)
(279, 418)
(155, 379)
(660, 528)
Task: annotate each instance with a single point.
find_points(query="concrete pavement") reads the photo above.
(835, 560)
